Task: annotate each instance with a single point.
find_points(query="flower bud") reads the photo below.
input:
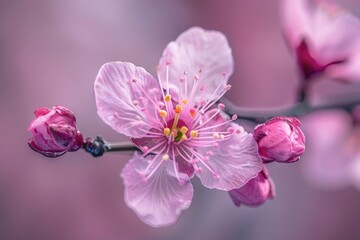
(54, 132)
(280, 139)
(255, 192)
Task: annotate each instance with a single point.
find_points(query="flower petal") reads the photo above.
(197, 50)
(296, 21)
(328, 158)
(234, 163)
(159, 200)
(330, 33)
(120, 98)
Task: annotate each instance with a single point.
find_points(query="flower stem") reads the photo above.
(98, 146)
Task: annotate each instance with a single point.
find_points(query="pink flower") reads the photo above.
(256, 192)
(54, 132)
(332, 158)
(324, 38)
(175, 124)
(280, 139)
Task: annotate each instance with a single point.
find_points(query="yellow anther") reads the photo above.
(167, 131)
(184, 137)
(163, 113)
(165, 157)
(184, 130)
(178, 109)
(194, 133)
(184, 101)
(168, 98)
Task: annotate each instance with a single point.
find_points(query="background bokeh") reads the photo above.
(50, 52)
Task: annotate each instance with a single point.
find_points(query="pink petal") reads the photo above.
(336, 38)
(331, 35)
(121, 102)
(41, 111)
(198, 50)
(159, 200)
(234, 163)
(327, 157)
(296, 21)
(349, 71)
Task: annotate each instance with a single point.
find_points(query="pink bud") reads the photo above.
(255, 192)
(54, 132)
(280, 139)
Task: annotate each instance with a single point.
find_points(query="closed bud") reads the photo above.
(54, 132)
(255, 192)
(280, 139)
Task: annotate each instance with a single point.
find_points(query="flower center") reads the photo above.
(176, 129)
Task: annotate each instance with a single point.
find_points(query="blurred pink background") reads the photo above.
(50, 54)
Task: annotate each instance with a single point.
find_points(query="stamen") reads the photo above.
(194, 133)
(168, 98)
(165, 157)
(184, 130)
(178, 109)
(221, 106)
(192, 112)
(184, 101)
(231, 130)
(163, 113)
(216, 136)
(167, 132)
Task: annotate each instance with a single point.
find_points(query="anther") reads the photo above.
(234, 117)
(216, 135)
(168, 98)
(184, 130)
(192, 112)
(194, 133)
(184, 101)
(231, 130)
(167, 132)
(178, 109)
(221, 106)
(165, 157)
(163, 113)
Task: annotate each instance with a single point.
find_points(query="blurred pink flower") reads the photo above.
(333, 153)
(174, 122)
(280, 139)
(255, 192)
(324, 38)
(54, 132)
